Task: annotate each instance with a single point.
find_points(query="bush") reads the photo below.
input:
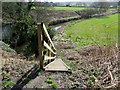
(86, 13)
(24, 29)
(51, 32)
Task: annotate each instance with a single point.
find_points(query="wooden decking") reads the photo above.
(56, 65)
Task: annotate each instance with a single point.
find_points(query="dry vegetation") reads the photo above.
(105, 61)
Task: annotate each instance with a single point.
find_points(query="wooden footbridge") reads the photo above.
(47, 52)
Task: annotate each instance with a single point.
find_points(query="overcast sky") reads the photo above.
(62, 0)
(77, 0)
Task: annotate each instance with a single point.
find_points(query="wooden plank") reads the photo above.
(65, 65)
(46, 33)
(49, 53)
(49, 58)
(56, 65)
(48, 47)
(40, 46)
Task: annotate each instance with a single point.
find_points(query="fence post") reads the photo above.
(40, 44)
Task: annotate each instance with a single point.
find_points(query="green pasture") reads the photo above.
(68, 8)
(100, 31)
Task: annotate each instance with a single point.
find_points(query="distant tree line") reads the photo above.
(96, 9)
(87, 4)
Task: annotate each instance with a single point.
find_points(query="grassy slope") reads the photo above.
(68, 8)
(102, 31)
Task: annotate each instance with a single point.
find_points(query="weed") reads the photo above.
(8, 84)
(5, 75)
(26, 79)
(54, 85)
(92, 78)
(89, 82)
(87, 77)
(49, 80)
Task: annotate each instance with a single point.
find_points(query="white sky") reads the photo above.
(62, 0)
(75, 0)
(67, 0)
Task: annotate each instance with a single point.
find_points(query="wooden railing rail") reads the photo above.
(48, 36)
(45, 46)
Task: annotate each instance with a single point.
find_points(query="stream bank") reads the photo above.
(55, 22)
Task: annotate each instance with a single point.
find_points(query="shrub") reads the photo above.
(24, 29)
(51, 32)
(86, 13)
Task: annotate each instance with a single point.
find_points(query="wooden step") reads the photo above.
(57, 65)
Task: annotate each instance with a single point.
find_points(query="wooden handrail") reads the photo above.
(48, 47)
(44, 44)
(48, 36)
(49, 58)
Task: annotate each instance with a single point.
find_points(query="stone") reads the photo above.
(73, 58)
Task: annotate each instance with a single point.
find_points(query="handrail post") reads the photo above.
(49, 53)
(40, 45)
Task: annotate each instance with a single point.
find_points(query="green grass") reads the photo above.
(101, 31)
(58, 8)
(68, 8)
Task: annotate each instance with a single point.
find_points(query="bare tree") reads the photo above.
(101, 6)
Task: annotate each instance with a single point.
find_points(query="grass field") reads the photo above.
(59, 8)
(100, 31)
(68, 8)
